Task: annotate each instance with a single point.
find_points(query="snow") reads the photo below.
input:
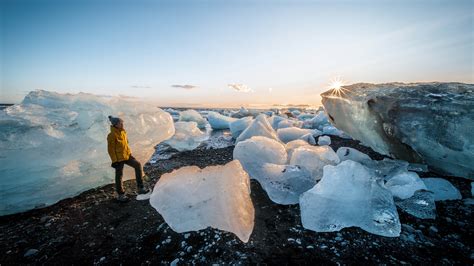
(191, 199)
(349, 195)
(239, 125)
(187, 136)
(284, 183)
(442, 189)
(53, 145)
(324, 140)
(218, 121)
(192, 116)
(256, 151)
(404, 185)
(314, 158)
(259, 127)
(292, 133)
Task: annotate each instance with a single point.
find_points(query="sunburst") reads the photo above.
(336, 86)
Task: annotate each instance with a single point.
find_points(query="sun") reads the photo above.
(336, 85)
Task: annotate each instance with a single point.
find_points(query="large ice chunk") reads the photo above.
(346, 153)
(239, 125)
(421, 205)
(292, 133)
(314, 158)
(192, 116)
(256, 151)
(218, 121)
(187, 136)
(258, 127)
(350, 195)
(293, 145)
(324, 140)
(53, 145)
(284, 183)
(404, 185)
(442, 189)
(430, 122)
(191, 199)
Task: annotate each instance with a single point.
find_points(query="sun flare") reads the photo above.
(336, 85)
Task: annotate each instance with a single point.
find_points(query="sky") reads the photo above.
(229, 53)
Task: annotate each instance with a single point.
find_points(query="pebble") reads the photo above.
(186, 236)
(433, 230)
(30, 252)
(174, 262)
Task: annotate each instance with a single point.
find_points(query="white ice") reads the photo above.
(239, 125)
(191, 199)
(192, 116)
(292, 133)
(324, 140)
(314, 158)
(346, 153)
(293, 145)
(259, 127)
(442, 189)
(350, 195)
(218, 121)
(187, 136)
(256, 151)
(404, 185)
(53, 146)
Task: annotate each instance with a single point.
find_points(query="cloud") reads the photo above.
(240, 87)
(186, 86)
(140, 87)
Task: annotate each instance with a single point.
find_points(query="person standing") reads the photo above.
(120, 154)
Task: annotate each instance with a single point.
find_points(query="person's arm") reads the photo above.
(111, 147)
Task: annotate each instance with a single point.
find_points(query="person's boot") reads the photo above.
(122, 198)
(143, 190)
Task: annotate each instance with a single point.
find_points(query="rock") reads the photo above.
(30, 252)
(418, 122)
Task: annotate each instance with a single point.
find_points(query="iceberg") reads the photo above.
(292, 133)
(284, 183)
(430, 123)
(191, 199)
(187, 136)
(53, 145)
(192, 116)
(218, 121)
(239, 125)
(350, 195)
(314, 158)
(256, 151)
(258, 127)
(442, 189)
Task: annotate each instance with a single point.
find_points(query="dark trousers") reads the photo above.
(119, 173)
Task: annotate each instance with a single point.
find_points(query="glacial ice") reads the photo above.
(284, 183)
(192, 116)
(239, 125)
(286, 123)
(53, 146)
(314, 158)
(442, 189)
(317, 122)
(187, 136)
(275, 120)
(293, 145)
(421, 205)
(258, 127)
(308, 138)
(191, 199)
(419, 122)
(292, 133)
(404, 185)
(350, 195)
(324, 140)
(256, 151)
(346, 153)
(218, 121)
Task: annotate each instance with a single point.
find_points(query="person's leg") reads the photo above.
(118, 178)
(138, 170)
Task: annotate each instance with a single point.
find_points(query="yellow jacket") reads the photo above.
(117, 145)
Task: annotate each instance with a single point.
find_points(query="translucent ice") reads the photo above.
(53, 146)
(187, 136)
(218, 121)
(239, 125)
(192, 116)
(293, 145)
(350, 195)
(324, 140)
(442, 189)
(430, 123)
(346, 153)
(314, 158)
(308, 138)
(191, 199)
(420, 205)
(292, 133)
(258, 127)
(256, 151)
(285, 123)
(404, 185)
